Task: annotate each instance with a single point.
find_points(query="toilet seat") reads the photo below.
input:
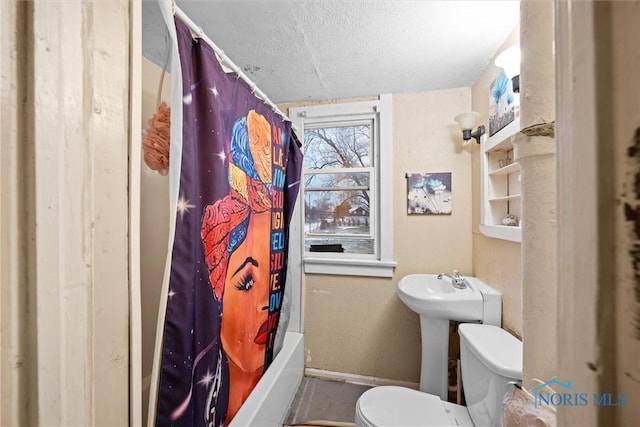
(400, 406)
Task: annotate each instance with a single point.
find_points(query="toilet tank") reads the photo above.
(490, 358)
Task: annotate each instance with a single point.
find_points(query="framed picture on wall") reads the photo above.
(429, 193)
(501, 103)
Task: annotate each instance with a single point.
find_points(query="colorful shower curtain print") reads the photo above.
(239, 178)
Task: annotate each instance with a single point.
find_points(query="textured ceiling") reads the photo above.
(299, 50)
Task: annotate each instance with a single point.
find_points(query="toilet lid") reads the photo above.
(400, 406)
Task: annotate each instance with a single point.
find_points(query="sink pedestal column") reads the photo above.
(434, 368)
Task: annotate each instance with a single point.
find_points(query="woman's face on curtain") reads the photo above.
(246, 297)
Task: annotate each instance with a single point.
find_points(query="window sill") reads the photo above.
(503, 232)
(349, 267)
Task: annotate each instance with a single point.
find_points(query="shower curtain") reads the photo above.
(238, 181)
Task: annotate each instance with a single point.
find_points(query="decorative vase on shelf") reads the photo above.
(510, 220)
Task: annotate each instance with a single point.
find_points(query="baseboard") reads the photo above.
(357, 379)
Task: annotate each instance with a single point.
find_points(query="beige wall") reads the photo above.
(535, 150)
(358, 325)
(496, 261)
(154, 226)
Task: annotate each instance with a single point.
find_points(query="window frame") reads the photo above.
(381, 263)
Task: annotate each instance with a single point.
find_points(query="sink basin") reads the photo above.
(437, 302)
(429, 296)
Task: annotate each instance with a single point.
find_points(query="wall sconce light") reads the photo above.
(509, 61)
(467, 121)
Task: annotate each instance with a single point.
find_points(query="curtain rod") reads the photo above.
(224, 59)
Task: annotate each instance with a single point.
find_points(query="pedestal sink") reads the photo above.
(437, 302)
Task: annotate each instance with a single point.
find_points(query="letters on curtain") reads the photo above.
(239, 180)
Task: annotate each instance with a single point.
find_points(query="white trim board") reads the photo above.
(357, 379)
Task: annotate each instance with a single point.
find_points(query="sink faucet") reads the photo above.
(456, 280)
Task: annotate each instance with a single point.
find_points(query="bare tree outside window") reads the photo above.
(337, 178)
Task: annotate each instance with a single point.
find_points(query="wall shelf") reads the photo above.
(500, 176)
(503, 232)
(506, 170)
(505, 198)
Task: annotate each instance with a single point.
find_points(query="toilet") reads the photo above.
(490, 359)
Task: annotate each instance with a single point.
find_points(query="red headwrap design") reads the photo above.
(217, 222)
(246, 195)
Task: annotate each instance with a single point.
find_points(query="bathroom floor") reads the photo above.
(324, 400)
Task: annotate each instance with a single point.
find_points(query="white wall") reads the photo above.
(598, 122)
(70, 337)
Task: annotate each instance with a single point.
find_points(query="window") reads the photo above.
(346, 194)
(337, 182)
